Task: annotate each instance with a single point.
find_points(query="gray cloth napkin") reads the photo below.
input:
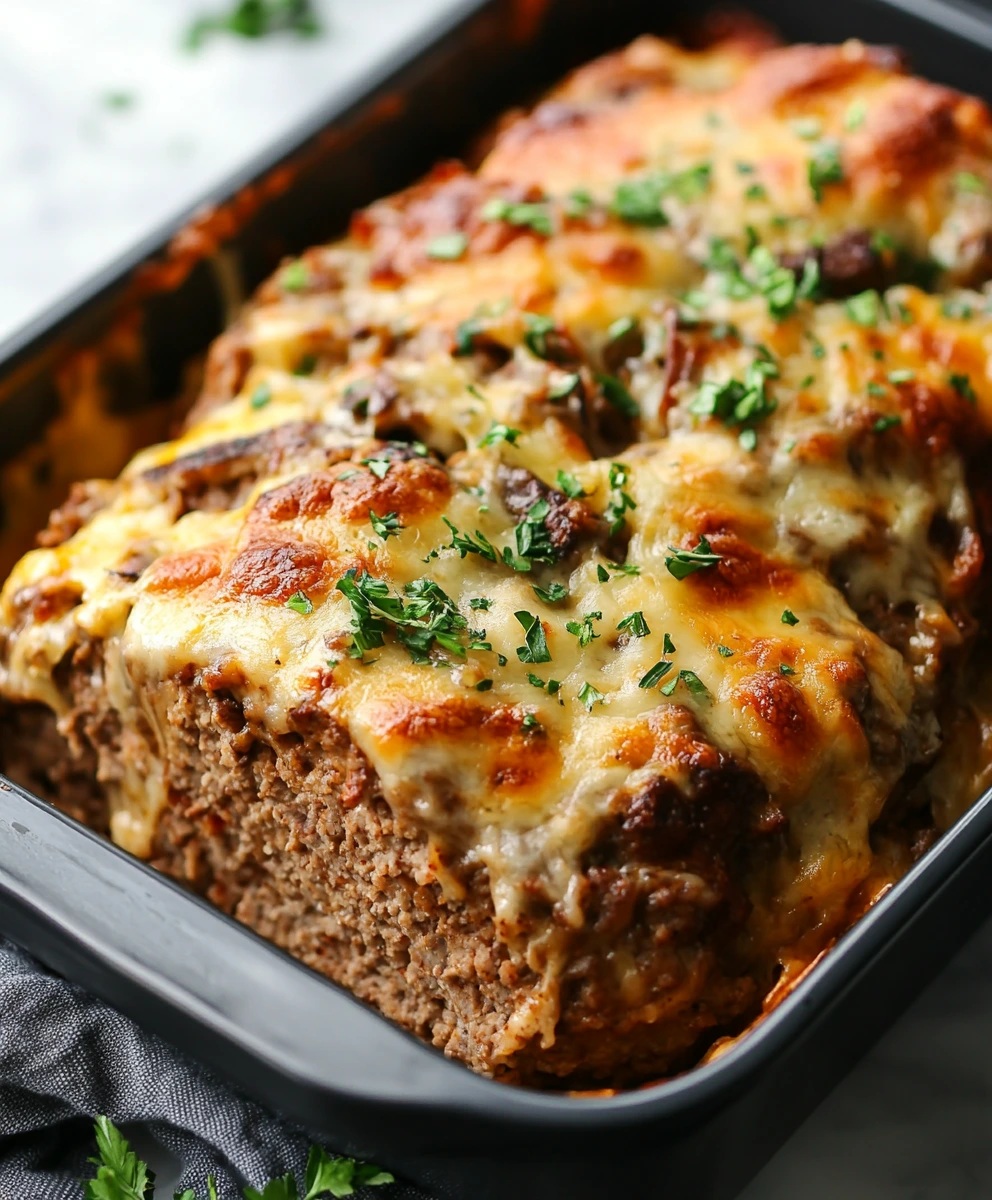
(65, 1056)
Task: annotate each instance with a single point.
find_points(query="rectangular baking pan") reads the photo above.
(217, 991)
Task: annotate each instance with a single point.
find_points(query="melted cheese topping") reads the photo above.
(835, 502)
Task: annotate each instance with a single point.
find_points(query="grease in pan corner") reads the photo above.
(561, 616)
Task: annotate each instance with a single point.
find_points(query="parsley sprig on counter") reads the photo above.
(256, 19)
(121, 1175)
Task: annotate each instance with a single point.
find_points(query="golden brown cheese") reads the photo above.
(650, 416)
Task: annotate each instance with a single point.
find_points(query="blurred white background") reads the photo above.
(107, 129)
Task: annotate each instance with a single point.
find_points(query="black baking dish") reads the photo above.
(219, 992)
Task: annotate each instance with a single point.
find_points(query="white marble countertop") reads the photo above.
(83, 180)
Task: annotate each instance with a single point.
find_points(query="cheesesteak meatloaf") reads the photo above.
(560, 617)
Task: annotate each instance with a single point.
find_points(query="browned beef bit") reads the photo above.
(220, 475)
(84, 501)
(848, 263)
(567, 520)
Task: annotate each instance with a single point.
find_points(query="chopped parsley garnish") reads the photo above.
(876, 389)
(681, 563)
(261, 396)
(463, 543)
(785, 669)
(807, 128)
(789, 617)
(823, 168)
(668, 646)
(378, 466)
(583, 629)
(638, 201)
(738, 404)
(536, 334)
(756, 191)
(634, 624)
(578, 202)
(530, 722)
(522, 215)
(465, 334)
(962, 385)
(447, 246)
(535, 648)
(808, 381)
(569, 485)
(255, 19)
(618, 395)
(295, 277)
(565, 386)
(657, 673)
(865, 308)
(588, 696)
(620, 501)
(552, 594)
(855, 116)
(306, 365)
(888, 422)
(535, 680)
(480, 604)
(533, 537)
(816, 346)
(483, 685)
(300, 602)
(691, 681)
(624, 568)
(427, 616)
(968, 181)
(621, 328)
(497, 433)
(957, 310)
(602, 574)
(387, 526)
(724, 651)
(901, 376)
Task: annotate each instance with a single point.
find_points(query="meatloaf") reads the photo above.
(562, 614)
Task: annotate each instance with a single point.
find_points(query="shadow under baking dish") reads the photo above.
(217, 991)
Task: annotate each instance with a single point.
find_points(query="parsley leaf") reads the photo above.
(261, 396)
(498, 432)
(283, 1188)
(339, 1176)
(533, 536)
(447, 246)
(588, 695)
(691, 681)
(528, 215)
(480, 603)
(638, 201)
(968, 181)
(483, 685)
(387, 526)
(962, 385)
(668, 647)
(255, 19)
(300, 602)
(569, 485)
(120, 1175)
(887, 422)
(618, 395)
(724, 651)
(681, 563)
(655, 675)
(378, 466)
(864, 308)
(535, 648)
(295, 277)
(583, 630)
(463, 543)
(634, 624)
(551, 594)
(823, 168)
(620, 501)
(789, 617)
